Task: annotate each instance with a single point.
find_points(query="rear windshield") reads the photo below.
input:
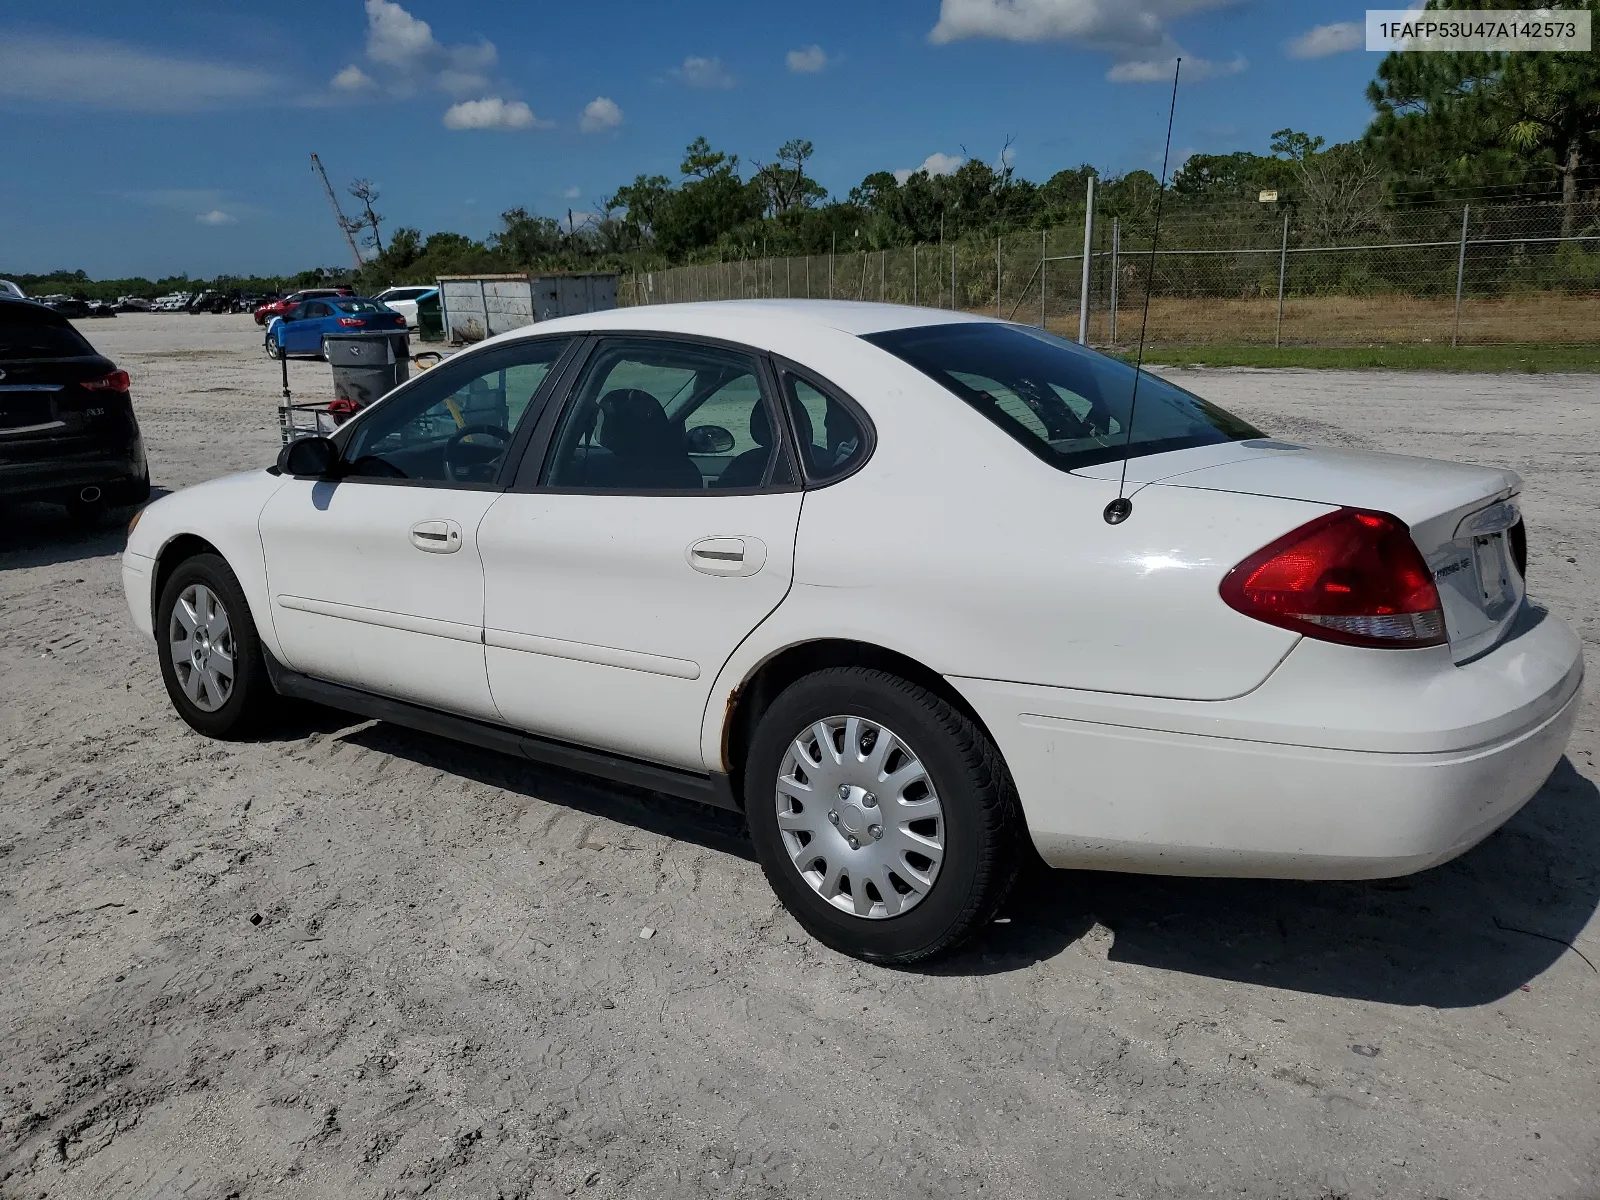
(28, 332)
(1066, 404)
(360, 306)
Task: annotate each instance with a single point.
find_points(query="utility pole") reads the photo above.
(338, 214)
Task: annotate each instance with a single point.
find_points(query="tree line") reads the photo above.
(1444, 126)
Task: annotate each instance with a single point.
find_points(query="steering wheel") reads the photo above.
(480, 465)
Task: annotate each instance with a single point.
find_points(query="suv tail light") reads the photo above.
(117, 381)
(1351, 576)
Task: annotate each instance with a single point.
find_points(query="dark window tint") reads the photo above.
(1066, 404)
(664, 416)
(28, 332)
(359, 306)
(831, 439)
(455, 424)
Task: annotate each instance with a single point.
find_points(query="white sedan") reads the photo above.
(403, 300)
(852, 569)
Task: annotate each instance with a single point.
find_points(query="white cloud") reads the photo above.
(807, 61)
(395, 37)
(492, 113)
(600, 115)
(353, 79)
(102, 74)
(697, 72)
(1159, 70)
(411, 56)
(572, 193)
(1324, 40)
(936, 163)
(216, 217)
(1135, 33)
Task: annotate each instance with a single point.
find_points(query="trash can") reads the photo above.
(367, 366)
(430, 318)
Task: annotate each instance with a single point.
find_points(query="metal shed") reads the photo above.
(478, 306)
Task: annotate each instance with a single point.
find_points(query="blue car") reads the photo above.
(300, 331)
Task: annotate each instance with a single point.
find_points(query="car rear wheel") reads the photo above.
(211, 658)
(272, 347)
(884, 818)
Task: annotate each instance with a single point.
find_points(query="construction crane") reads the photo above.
(344, 225)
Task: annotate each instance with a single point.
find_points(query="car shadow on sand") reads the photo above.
(683, 820)
(43, 535)
(1462, 934)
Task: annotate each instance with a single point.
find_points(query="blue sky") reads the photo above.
(173, 135)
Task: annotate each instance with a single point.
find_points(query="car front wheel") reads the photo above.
(273, 349)
(211, 658)
(883, 817)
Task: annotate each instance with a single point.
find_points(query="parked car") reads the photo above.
(404, 300)
(138, 304)
(863, 572)
(246, 303)
(172, 302)
(102, 308)
(67, 428)
(278, 308)
(209, 302)
(302, 331)
(7, 288)
(68, 306)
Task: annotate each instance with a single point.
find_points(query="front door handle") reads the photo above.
(729, 556)
(436, 537)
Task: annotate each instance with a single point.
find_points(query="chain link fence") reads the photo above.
(1510, 273)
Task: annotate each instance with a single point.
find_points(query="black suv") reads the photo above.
(67, 429)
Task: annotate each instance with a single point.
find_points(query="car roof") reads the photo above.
(742, 320)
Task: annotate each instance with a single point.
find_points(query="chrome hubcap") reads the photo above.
(859, 817)
(201, 643)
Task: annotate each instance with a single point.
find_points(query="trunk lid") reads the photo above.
(1464, 518)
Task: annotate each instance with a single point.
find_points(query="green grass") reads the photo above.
(1530, 359)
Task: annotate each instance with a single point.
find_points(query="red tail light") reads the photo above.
(351, 321)
(117, 381)
(1350, 576)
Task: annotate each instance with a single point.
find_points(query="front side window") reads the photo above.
(665, 416)
(455, 425)
(1064, 403)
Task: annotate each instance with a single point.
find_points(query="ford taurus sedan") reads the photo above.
(856, 571)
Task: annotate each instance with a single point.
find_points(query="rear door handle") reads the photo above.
(727, 555)
(436, 537)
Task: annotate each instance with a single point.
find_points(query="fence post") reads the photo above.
(1116, 253)
(1043, 258)
(1283, 262)
(1088, 245)
(1461, 274)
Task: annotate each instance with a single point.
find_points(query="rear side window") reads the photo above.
(831, 440)
(1064, 403)
(27, 332)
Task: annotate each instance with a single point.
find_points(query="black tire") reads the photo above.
(324, 354)
(270, 345)
(252, 701)
(982, 827)
(87, 513)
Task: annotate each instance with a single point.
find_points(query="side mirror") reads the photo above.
(709, 439)
(313, 457)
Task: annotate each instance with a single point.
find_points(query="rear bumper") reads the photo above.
(1232, 788)
(119, 470)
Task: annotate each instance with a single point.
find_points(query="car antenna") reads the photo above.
(1120, 509)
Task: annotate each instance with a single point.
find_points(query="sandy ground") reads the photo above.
(448, 992)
